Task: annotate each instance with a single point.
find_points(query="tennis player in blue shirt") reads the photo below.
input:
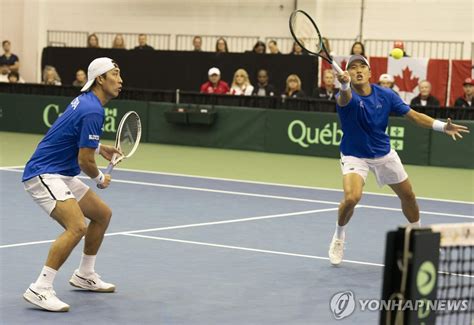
(363, 111)
(50, 178)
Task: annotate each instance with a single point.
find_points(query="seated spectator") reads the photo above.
(221, 46)
(8, 58)
(241, 84)
(119, 42)
(424, 98)
(4, 71)
(93, 41)
(14, 78)
(400, 45)
(293, 87)
(81, 79)
(259, 48)
(263, 88)
(386, 81)
(273, 47)
(197, 44)
(297, 49)
(327, 90)
(142, 43)
(466, 100)
(51, 76)
(358, 48)
(215, 85)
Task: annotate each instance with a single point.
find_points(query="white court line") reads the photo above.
(143, 171)
(247, 249)
(192, 225)
(201, 189)
(271, 252)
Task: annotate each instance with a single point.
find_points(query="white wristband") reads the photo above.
(100, 178)
(345, 86)
(439, 126)
(97, 150)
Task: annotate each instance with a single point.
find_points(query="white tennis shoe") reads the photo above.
(44, 298)
(336, 251)
(91, 282)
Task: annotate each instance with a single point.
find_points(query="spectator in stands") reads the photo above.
(8, 58)
(273, 47)
(81, 78)
(400, 45)
(215, 85)
(4, 73)
(119, 42)
(263, 88)
(466, 100)
(14, 78)
(93, 41)
(293, 87)
(241, 84)
(386, 80)
(197, 44)
(259, 48)
(142, 43)
(328, 46)
(297, 49)
(51, 76)
(358, 48)
(221, 45)
(327, 90)
(424, 98)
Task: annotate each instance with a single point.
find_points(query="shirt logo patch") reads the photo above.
(93, 137)
(75, 103)
(361, 104)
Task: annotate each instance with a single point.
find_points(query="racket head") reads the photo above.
(128, 137)
(305, 32)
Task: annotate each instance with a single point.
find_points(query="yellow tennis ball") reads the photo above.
(396, 53)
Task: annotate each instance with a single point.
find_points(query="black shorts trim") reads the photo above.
(51, 193)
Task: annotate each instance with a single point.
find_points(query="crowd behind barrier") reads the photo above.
(187, 98)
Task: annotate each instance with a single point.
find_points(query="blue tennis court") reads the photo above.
(193, 250)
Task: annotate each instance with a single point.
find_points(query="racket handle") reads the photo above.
(108, 170)
(337, 67)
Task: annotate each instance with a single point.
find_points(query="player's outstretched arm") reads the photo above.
(345, 93)
(88, 165)
(423, 120)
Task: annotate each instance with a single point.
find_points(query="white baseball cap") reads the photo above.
(386, 77)
(97, 68)
(214, 71)
(357, 57)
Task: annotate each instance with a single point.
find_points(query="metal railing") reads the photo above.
(234, 43)
(338, 46)
(421, 49)
(79, 39)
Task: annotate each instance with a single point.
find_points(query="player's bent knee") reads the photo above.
(352, 199)
(78, 231)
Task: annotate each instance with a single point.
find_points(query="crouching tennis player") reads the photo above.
(50, 177)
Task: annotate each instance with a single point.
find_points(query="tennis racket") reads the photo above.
(128, 137)
(306, 33)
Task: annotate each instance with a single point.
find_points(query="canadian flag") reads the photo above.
(407, 72)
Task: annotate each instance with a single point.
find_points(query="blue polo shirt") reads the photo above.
(80, 126)
(364, 122)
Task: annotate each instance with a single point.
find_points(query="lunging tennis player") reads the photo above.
(50, 179)
(364, 110)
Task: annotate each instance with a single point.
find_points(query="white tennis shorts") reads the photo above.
(387, 169)
(46, 189)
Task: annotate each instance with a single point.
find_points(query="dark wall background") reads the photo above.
(182, 69)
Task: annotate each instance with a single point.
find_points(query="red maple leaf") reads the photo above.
(343, 64)
(406, 82)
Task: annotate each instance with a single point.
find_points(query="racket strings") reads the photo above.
(129, 135)
(306, 33)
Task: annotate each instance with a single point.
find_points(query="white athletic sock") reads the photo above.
(416, 223)
(87, 264)
(340, 232)
(46, 277)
